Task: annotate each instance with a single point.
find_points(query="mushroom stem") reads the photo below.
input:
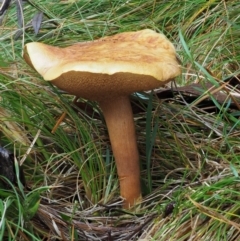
(119, 118)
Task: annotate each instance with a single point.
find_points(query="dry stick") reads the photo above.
(223, 86)
(217, 132)
(63, 115)
(207, 92)
(232, 97)
(30, 147)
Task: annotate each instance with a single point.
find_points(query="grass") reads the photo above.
(189, 151)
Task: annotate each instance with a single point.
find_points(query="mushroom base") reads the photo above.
(121, 129)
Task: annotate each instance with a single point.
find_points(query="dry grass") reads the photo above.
(189, 146)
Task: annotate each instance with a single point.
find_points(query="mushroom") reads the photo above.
(108, 70)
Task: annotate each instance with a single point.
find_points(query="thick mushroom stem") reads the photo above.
(119, 118)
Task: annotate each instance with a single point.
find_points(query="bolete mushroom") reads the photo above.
(108, 70)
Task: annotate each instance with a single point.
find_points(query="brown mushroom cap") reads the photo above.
(116, 65)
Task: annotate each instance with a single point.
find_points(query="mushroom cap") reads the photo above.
(115, 65)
